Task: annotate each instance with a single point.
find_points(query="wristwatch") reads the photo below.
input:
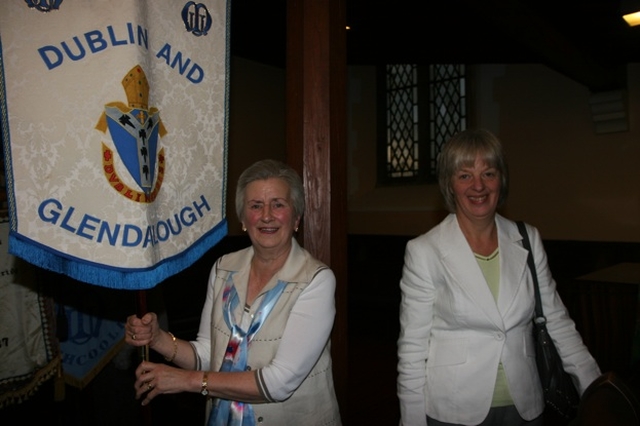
(205, 383)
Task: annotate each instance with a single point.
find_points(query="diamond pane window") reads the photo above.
(420, 108)
(447, 106)
(402, 121)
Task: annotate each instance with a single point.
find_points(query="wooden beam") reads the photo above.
(316, 146)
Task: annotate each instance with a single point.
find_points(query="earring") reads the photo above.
(296, 230)
(244, 229)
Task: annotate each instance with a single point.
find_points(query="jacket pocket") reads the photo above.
(448, 352)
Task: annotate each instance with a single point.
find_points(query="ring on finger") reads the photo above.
(133, 336)
(149, 387)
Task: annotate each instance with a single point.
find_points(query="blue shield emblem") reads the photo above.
(135, 135)
(135, 128)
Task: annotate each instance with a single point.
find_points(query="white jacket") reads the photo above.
(453, 334)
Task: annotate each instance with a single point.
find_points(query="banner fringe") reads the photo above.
(18, 396)
(111, 277)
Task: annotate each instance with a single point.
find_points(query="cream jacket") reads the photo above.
(300, 389)
(453, 333)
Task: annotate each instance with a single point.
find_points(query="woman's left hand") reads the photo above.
(155, 379)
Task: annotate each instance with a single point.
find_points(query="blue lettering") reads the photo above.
(53, 62)
(111, 236)
(178, 61)
(68, 358)
(136, 235)
(196, 74)
(84, 224)
(114, 40)
(95, 41)
(130, 31)
(149, 237)
(143, 37)
(178, 224)
(67, 50)
(204, 204)
(186, 213)
(113, 336)
(104, 345)
(94, 228)
(165, 53)
(65, 221)
(50, 215)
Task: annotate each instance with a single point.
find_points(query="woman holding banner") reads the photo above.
(262, 354)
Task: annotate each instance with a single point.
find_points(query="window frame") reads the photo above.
(425, 173)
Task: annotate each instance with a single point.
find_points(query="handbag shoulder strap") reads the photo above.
(532, 267)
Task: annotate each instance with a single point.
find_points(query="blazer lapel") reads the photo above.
(513, 264)
(461, 264)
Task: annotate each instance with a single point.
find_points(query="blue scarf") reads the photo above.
(235, 413)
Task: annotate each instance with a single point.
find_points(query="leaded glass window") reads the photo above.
(447, 107)
(403, 153)
(422, 107)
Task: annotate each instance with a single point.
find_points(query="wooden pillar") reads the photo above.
(316, 146)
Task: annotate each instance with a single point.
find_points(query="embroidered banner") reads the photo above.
(29, 350)
(114, 121)
(91, 342)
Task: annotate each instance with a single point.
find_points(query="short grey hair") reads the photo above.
(461, 151)
(267, 169)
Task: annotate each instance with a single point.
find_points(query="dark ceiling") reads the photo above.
(585, 40)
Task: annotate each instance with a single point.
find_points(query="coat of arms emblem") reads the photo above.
(135, 129)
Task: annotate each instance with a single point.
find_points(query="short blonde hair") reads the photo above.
(461, 151)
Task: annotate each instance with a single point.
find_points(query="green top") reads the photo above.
(490, 266)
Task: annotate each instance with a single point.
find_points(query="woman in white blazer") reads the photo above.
(465, 352)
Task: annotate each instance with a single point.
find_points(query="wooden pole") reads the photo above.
(316, 146)
(141, 308)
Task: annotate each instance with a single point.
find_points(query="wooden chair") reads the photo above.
(608, 401)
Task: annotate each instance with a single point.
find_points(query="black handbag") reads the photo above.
(560, 394)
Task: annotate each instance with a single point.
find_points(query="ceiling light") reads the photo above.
(631, 12)
(632, 19)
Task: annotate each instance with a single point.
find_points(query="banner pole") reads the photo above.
(141, 308)
(141, 311)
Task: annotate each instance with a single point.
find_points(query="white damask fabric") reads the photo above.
(114, 119)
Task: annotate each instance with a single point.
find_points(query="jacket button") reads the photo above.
(260, 419)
